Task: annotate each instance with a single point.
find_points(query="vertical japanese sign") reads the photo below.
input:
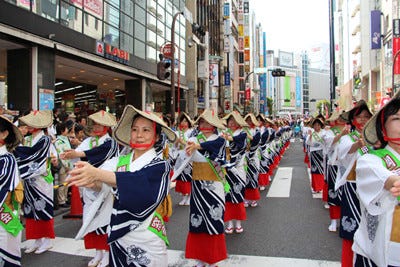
(375, 29)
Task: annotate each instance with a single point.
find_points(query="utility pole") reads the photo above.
(173, 102)
(332, 54)
(207, 80)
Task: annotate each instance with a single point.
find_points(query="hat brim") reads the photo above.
(16, 131)
(38, 119)
(239, 119)
(207, 116)
(346, 115)
(102, 118)
(369, 131)
(252, 118)
(122, 132)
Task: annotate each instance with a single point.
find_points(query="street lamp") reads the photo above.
(173, 66)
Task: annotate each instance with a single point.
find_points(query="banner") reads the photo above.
(286, 92)
(375, 29)
(298, 91)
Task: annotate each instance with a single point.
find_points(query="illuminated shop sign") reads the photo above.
(110, 52)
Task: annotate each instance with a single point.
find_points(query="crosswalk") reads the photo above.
(281, 183)
(177, 258)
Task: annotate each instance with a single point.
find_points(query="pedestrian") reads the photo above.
(137, 235)
(11, 195)
(316, 143)
(252, 194)
(236, 137)
(34, 165)
(184, 180)
(62, 144)
(350, 148)
(96, 150)
(206, 239)
(263, 176)
(331, 138)
(377, 239)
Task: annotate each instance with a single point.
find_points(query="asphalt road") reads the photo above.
(289, 227)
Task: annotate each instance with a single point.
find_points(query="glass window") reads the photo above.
(127, 43)
(140, 32)
(160, 41)
(151, 54)
(140, 14)
(151, 38)
(127, 7)
(114, 3)
(168, 7)
(126, 24)
(71, 16)
(111, 35)
(167, 33)
(90, 27)
(140, 49)
(168, 20)
(183, 69)
(47, 9)
(111, 15)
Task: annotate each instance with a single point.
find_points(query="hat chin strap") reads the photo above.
(206, 129)
(2, 142)
(359, 126)
(235, 127)
(385, 137)
(145, 146)
(101, 133)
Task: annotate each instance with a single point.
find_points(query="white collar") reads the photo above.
(143, 160)
(3, 150)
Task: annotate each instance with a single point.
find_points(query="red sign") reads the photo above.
(166, 50)
(247, 93)
(116, 52)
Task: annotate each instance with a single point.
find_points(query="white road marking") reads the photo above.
(74, 247)
(281, 183)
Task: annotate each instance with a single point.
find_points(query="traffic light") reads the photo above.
(278, 73)
(162, 68)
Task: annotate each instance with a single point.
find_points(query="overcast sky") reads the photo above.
(293, 25)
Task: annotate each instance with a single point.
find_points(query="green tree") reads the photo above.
(321, 106)
(270, 105)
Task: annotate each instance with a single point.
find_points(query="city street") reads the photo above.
(288, 228)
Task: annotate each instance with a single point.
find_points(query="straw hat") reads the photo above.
(315, 120)
(253, 119)
(38, 119)
(335, 115)
(346, 115)
(239, 119)
(122, 132)
(102, 118)
(261, 116)
(18, 135)
(208, 116)
(186, 116)
(369, 131)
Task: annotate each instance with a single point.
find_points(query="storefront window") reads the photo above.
(127, 43)
(71, 16)
(111, 15)
(111, 35)
(91, 26)
(151, 54)
(47, 9)
(127, 7)
(140, 31)
(140, 49)
(126, 24)
(140, 14)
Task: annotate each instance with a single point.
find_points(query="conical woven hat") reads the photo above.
(253, 119)
(239, 119)
(102, 118)
(345, 115)
(38, 119)
(187, 117)
(122, 132)
(369, 130)
(208, 116)
(18, 135)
